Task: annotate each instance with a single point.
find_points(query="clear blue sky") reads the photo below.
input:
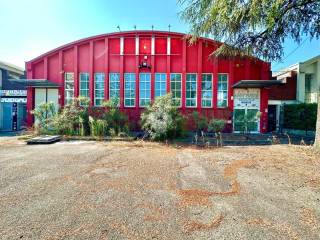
(29, 28)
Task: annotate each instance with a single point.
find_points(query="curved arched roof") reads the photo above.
(119, 34)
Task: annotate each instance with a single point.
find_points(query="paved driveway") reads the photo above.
(95, 190)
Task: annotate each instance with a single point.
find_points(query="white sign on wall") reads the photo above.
(247, 98)
(13, 93)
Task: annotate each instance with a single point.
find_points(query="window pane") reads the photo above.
(191, 90)
(222, 90)
(129, 89)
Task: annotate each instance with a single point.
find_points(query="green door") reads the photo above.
(246, 120)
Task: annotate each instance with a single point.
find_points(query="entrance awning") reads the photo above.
(256, 83)
(37, 83)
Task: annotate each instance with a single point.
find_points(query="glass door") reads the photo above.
(246, 120)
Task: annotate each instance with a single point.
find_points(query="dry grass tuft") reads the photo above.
(308, 217)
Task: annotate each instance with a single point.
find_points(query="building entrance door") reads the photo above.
(272, 118)
(246, 114)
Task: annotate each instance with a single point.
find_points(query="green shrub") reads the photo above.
(200, 121)
(98, 127)
(116, 120)
(44, 114)
(216, 125)
(162, 119)
(301, 116)
(73, 119)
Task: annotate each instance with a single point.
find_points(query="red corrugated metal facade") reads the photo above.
(161, 52)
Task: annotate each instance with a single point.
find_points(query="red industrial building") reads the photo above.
(138, 66)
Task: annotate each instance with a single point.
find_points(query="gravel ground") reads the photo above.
(118, 190)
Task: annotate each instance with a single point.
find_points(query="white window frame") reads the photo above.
(196, 98)
(161, 80)
(125, 89)
(68, 100)
(142, 87)
(87, 84)
(117, 90)
(206, 99)
(227, 91)
(99, 89)
(173, 97)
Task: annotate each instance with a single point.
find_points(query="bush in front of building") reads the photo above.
(162, 120)
(116, 120)
(302, 116)
(71, 120)
(200, 121)
(43, 115)
(217, 125)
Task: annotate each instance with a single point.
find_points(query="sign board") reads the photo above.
(14, 116)
(13, 93)
(247, 98)
(13, 100)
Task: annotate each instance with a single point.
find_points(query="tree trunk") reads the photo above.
(317, 138)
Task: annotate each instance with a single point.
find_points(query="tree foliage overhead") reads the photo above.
(253, 27)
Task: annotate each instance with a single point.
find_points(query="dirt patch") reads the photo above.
(192, 226)
(308, 218)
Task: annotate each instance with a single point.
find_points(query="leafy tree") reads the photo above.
(252, 27)
(162, 119)
(116, 120)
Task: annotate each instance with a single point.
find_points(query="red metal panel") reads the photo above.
(60, 79)
(121, 82)
(144, 45)
(137, 60)
(84, 58)
(192, 56)
(215, 82)
(91, 76)
(68, 60)
(199, 76)
(130, 65)
(45, 68)
(231, 82)
(176, 64)
(264, 110)
(106, 69)
(161, 45)
(114, 45)
(207, 63)
(129, 45)
(99, 56)
(38, 70)
(114, 63)
(152, 77)
(160, 64)
(53, 68)
(184, 69)
(76, 70)
(176, 45)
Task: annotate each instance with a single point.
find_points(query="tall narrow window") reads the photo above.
(191, 90)
(222, 90)
(129, 89)
(69, 87)
(175, 85)
(144, 89)
(206, 90)
(98, 89)
(161, 84)
(114, 86)
(84, 85)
